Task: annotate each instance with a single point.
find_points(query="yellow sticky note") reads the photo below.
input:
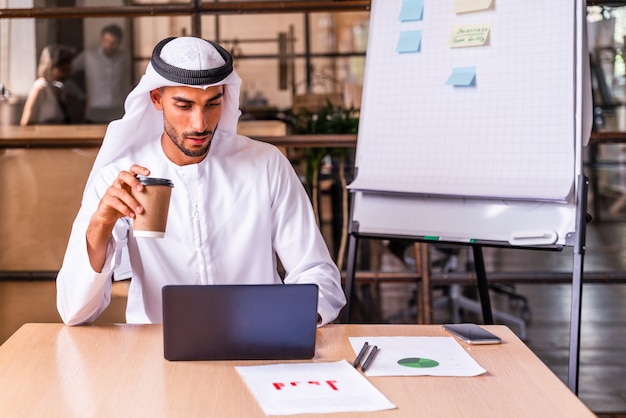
(468, 35)
(465, 6)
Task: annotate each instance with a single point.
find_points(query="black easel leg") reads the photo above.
(575, 319)
(483, 286)
(577, 286)
(353, 243)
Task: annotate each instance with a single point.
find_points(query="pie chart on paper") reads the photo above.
(416, 362)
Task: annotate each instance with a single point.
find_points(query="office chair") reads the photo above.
(454, 298)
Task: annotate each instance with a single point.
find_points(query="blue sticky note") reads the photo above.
(462, 77)
(411, 10)
(409, 41)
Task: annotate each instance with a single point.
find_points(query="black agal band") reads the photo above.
(192, 77)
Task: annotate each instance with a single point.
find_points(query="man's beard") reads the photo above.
(176, 138)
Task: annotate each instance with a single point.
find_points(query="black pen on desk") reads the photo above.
(369, 359)
(359, 356)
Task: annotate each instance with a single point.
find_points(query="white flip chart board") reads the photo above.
(472, 120)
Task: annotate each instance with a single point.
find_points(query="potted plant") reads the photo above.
(330, 119)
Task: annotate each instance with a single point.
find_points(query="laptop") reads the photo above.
(239, 322)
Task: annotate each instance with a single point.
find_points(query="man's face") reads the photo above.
(190, 118)
(110, 43)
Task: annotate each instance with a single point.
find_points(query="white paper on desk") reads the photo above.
(418, 356)
(301, 388)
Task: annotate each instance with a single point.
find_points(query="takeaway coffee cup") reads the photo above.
(155, 199)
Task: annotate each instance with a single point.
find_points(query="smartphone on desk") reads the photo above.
(472, 334)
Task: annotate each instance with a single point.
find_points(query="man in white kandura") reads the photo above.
(236, 205)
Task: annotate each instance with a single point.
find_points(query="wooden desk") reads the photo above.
(119, 371)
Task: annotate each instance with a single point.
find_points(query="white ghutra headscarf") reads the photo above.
(183, 61)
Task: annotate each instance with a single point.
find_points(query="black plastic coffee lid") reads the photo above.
(154, 181)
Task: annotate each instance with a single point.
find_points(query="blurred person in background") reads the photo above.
(107, 76)
(47, 101)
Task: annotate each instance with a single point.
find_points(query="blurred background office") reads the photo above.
(294, 57)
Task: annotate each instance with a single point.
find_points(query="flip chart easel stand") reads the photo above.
(467, 145)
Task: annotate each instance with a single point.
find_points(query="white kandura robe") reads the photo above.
(229, 215)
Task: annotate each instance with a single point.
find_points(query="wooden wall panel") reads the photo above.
(40, 193)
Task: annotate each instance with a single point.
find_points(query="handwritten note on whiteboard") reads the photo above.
(468, 35)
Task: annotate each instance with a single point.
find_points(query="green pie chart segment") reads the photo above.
(421, 363)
